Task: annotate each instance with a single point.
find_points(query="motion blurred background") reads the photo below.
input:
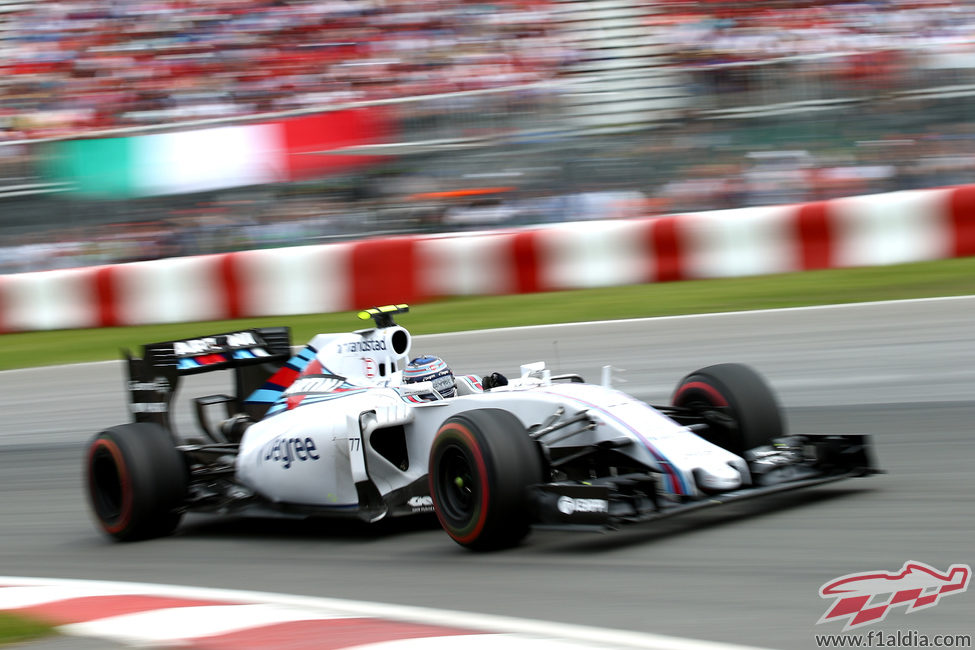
(139, 129)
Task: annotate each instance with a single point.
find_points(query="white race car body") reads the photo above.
(315, 443)
(315, 453)
(334, 430)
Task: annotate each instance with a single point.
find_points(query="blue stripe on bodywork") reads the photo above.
(270, 391)
(265, 395)
(187, 364)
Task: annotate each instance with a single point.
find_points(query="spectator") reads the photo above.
(79, 65)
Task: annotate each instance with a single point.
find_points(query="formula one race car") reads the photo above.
(338, 430)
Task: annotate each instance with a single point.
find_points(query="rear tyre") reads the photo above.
(137, 480)
(739, 407)
(481, 464)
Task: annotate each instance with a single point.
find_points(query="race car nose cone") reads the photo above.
(719, 477)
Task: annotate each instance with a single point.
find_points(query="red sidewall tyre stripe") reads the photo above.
(469, 442)
(717, 399)
(125, 510)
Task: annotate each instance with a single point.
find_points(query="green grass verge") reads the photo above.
(17, 629)
(919, 280)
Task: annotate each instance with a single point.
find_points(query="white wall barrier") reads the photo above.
(857, 231)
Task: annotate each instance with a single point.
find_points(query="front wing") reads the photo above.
(608, 503)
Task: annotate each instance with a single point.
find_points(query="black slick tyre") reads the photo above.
(738, 405)
(481, 464)
(136, 481)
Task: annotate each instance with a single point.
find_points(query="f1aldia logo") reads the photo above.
(866, 598)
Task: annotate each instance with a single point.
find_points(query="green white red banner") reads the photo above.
(215, 158)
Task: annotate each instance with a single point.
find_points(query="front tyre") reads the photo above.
(737, 404)
(137, 480)
(481, 464)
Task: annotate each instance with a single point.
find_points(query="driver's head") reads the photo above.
(432, 369)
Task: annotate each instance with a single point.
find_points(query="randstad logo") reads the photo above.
(866, 598)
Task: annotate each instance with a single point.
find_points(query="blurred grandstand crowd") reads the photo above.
(76, 65)
(70, 66)
(785, 100)
(710, 32)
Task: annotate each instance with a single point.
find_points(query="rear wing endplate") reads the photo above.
(252, 354)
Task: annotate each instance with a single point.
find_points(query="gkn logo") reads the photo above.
(866, 598)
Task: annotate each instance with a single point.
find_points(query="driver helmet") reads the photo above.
(432, 369)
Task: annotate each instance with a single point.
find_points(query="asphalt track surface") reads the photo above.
(903, 372)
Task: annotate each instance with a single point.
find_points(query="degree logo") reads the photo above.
(288, 450)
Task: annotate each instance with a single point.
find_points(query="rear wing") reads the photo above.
(253, 355)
